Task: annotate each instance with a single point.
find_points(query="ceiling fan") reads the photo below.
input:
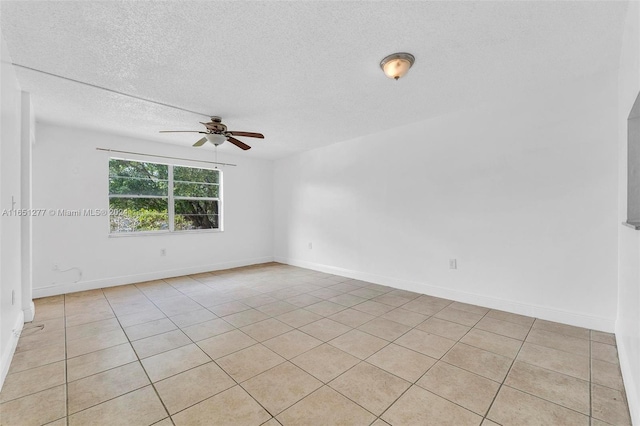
(217, 134)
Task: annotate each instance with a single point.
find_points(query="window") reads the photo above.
(152, 197)
(633, 166)
(196, 198)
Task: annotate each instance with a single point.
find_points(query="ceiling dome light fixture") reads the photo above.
(215, 138)
(397, 64)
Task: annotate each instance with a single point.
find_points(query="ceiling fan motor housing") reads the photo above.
(214, 127)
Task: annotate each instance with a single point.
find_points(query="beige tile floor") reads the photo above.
(274, 344)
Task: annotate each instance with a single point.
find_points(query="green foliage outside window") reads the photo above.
(139, 191)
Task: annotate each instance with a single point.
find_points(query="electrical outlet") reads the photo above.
(163, 252)
(310, 246)
(453, 264)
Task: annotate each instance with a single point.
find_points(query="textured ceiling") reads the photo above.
(306, 73)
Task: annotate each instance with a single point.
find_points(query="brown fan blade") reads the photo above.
(248, 134)
(200, 142)
(181, 131)
(239, 144)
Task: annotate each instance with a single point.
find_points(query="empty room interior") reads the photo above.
(430, 213)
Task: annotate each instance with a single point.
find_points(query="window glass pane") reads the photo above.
(137, 178)
(138, 214)
(184, 189)
(196, 214)
(191, 174)
(135, 186)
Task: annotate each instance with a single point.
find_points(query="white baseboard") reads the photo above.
(30, 312)
(630, 383)
(146, 276)
(10, 349)
(542, 312)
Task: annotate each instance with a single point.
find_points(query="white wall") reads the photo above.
(628, 321)
(27, 139)
(11, 315)
(70, 174)
(523, 195)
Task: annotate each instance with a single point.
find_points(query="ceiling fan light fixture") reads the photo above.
(215, 138)
(397, 64)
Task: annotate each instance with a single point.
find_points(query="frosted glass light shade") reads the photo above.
(397, 65)
(216, 139)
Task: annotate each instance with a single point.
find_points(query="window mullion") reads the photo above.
(196, 198)
(136, 196)
(220, 198)
(171, 207)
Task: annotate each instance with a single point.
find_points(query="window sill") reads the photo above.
(632, 225)
(157, 233)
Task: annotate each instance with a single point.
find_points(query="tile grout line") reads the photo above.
(449, 350)
(139, 362)
(196, 342)
(591, 380)
(543, 368)
(438, 359)
(217, 317)
(393, 342)
(113, 368)
(192, 342)
(289, 360)
(327, 385)
(39, 366)
(546, 400)
(66, 367)
(285, 360)
(565, 336)
(508, 371)
(389, 343)
(267, 293)
(212, 360)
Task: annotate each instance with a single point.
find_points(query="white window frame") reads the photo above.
(171, 198)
